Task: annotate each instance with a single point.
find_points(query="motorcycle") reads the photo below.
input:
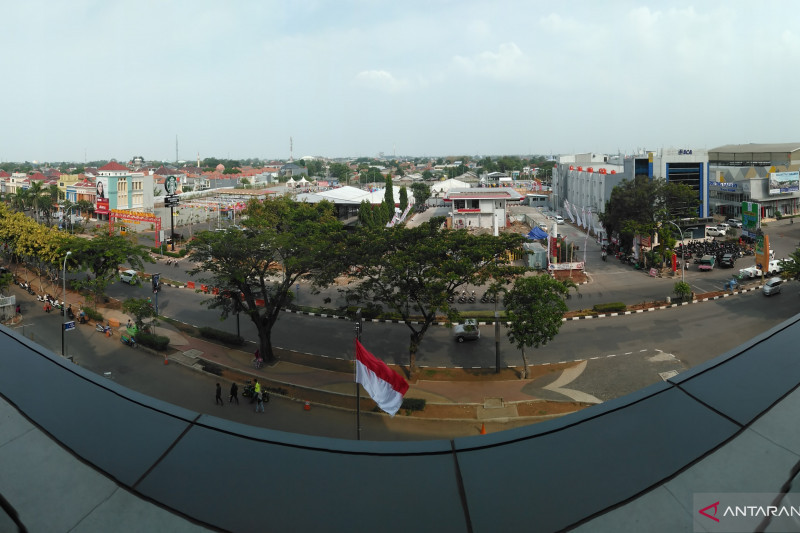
(472, 297)
(70, 313)
(463, 298)
(128, 341)
(103, 329)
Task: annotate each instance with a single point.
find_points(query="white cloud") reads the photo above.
(380, 80)
(507, 63)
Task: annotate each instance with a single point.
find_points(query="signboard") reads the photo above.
(171, 184)
(784, 182)
(69, 325)
(762, 252)
(751, 218)
(171, 200)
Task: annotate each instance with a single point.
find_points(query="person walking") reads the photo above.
(234, 393)
(19, 310)
(218, 399)
(256, 389)
(260, 404)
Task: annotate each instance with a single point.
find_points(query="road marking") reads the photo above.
(568, 375)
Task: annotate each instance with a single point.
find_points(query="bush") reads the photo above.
(682, 290)
(614, 307)
(179, 254)
(156, 342)
(224, 336)
(413, 404)
(91, 314)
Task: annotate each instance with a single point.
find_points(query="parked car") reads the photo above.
(750, 272)
(724, 226)
(735, 223)
(128, 276)
(727, 261)
(706, 262)
(713, 231)
(772, 286)
(559, 219)
(468, 331)
(775, 267)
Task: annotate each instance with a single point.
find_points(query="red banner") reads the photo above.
(102, 206)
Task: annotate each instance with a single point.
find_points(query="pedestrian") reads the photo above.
(260, 404)
(234, 393)
(19, 310)
(129, 324)
(218, 399)
(256, 389)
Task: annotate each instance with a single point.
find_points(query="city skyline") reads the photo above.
(90, 81)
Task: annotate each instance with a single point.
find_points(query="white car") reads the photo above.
(128, 276)
(735, 223)
(750, 273)
(712, 231)
(559, 219)
(723, 226)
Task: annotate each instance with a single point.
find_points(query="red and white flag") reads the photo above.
(383, 384)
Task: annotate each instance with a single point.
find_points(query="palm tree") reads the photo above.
(36, 189)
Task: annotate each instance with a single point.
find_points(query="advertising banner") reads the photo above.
(101, 200)
(751, 218)
(784, 182)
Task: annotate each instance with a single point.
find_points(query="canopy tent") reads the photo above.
(537, 234)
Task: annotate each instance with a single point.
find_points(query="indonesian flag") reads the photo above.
(383, 384)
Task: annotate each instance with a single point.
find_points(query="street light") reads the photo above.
(64, 300)
(682, 253)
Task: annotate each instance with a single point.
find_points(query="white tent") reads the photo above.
(444, 186)
(290, 182)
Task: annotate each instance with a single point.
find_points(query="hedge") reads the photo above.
(224, 336)
(156, 342)
(614, 307)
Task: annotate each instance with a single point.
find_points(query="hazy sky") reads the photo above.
(114, 79)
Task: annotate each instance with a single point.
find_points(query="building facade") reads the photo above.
(480, 207)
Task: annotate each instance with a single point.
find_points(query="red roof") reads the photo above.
(114, 166)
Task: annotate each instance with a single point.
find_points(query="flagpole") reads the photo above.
(358, 395)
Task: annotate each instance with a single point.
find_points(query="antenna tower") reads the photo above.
(176, 148)
(291, 150)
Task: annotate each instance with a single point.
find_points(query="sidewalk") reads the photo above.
(485, 399)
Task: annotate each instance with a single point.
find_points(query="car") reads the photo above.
(723, 226)
(468, 331)
(750, 272)
(775, 267)
(128, 276)
(727, 261)
(772, 286)
(543, 226)
(559, 219)
(735, 223)
(706, 262)
(713, 231)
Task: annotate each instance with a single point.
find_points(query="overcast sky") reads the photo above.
(114, 79)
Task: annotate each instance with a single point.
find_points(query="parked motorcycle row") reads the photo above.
(697, 249)
(471, 298)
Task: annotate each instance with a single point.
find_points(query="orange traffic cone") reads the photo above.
(483, 429)
(166, 361)
(307, 406)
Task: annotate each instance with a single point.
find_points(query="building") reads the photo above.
(742, 173)
(585, 181)
(117, 188)
(480, 207)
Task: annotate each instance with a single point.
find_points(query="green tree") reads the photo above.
(141, 309)
(535, 308)
(422, 192)
(638, 206)
(102, 255)
(403, 199)
(412, 271)
(5, 281)
(427, 175)
(365, 214)
(35, 190)
(791, 266)
(340, 171)
(283, 242)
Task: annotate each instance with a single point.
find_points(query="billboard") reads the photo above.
(101, 199)
(784, 182)
(751, 218)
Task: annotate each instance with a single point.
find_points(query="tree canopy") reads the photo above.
(256, 268)
(638, 206)
(535, 308)
(412, 271)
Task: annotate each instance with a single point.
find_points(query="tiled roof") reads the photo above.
(113, 166)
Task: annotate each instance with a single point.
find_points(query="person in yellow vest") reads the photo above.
(256, 390)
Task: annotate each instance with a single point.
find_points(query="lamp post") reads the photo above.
(64, 300)
(682, 258)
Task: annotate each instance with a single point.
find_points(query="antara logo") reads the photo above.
(714, 506)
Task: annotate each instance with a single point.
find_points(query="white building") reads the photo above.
(480, 207)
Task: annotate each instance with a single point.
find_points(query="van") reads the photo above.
(706, 262)
(772, 286)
